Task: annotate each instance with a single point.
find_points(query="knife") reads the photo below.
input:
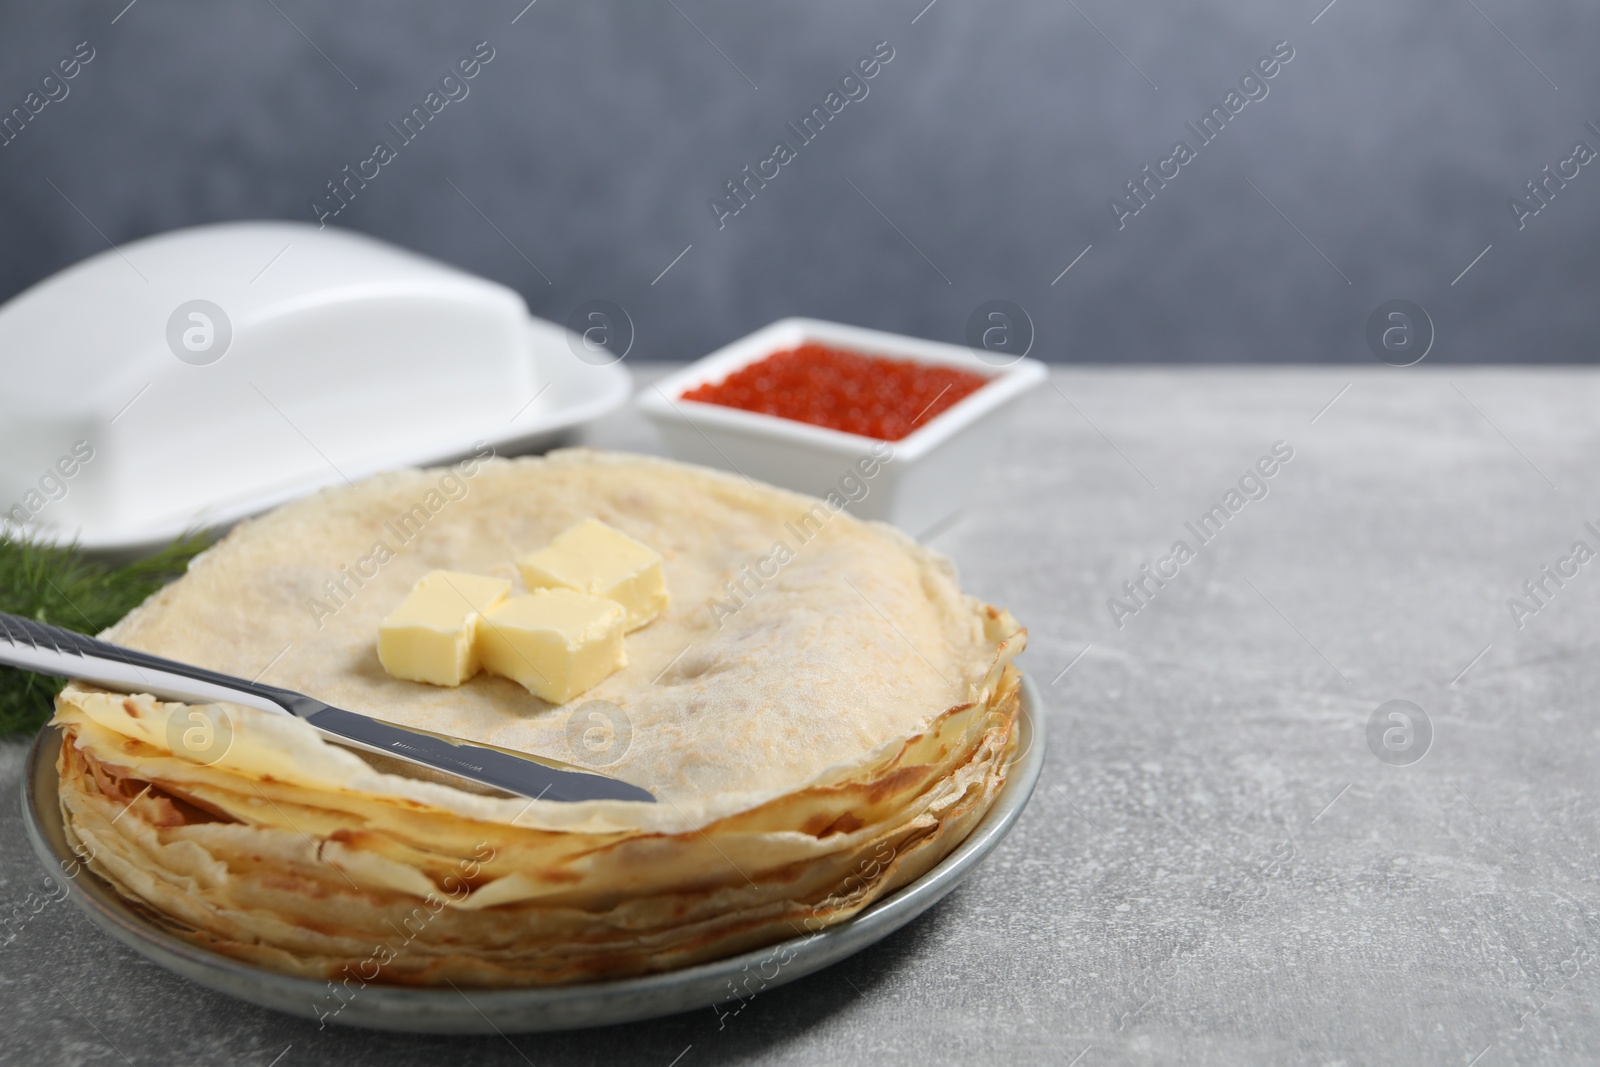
(37, 646)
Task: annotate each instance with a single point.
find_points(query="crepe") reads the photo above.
(821, 725)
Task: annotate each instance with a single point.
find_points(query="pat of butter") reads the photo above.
(432, 635)
(593, 558)
(555, 642)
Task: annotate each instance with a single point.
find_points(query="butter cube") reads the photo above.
(432, 635)
(555, 642)
(593, 558)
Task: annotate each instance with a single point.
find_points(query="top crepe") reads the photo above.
(841, 638)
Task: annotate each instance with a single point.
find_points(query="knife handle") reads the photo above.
(38, 646)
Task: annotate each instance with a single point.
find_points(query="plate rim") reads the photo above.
(524, 1009)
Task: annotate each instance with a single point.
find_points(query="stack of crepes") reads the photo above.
(822, 713)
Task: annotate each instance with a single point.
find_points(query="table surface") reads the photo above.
(1218, 867)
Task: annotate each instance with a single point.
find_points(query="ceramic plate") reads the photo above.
(483, 1011)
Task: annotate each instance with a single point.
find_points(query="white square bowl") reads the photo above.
(930, 474)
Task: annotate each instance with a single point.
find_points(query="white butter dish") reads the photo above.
(189, 379)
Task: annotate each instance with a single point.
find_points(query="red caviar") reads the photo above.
(868, 395)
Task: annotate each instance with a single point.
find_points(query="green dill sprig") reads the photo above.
(62, 586)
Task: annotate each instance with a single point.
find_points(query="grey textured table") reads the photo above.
(1218, 867)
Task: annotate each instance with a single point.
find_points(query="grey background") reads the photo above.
(989, 147)
(1215, 869)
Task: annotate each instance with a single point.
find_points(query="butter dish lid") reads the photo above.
(189, 379)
